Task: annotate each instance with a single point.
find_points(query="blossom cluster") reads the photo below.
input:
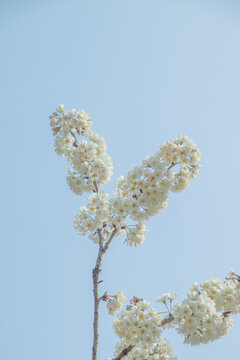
(160, 350)
(144, 191)
(95, 216)
(100, 215)
(225, 294)
(138, 323)
(140, 327)
(204, 315)
(83, 148)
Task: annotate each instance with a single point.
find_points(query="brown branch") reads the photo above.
(171, 166)
(95, 276)
(74, 136)
(169, 319)
(109, 240)
(124, 352)
(100, 238)
(226, 313)
(96, 186)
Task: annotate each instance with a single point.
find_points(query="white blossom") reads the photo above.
(137, 235)
(167, 297)
(115, 304)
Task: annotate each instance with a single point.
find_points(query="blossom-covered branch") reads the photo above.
(143, 192)
(202, 317)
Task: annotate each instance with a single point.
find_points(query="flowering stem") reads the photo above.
(95, 276)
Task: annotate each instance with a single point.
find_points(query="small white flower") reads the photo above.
(167, 297)
(116, 304)
(60, 109)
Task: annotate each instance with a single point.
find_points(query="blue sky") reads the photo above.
(145, 71)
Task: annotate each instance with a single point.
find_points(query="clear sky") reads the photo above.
(145, 71)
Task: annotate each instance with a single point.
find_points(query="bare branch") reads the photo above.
(100, 238)
(74, 136)
(171, 166)
(109, 240)
(167, 320)
(95, 276)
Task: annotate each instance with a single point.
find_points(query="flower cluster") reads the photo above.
(144, 191)
(225, 294)
(136, 235)
(198, 318)
(138, 324)
(99, 215)
(94, 216)
(140, 328)
(160, 350)
(84, 149)
(115, 304)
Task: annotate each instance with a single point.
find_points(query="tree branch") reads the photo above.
(109, 240)
(124, 352)
(167, 320)
(95, 276)
(96, 186)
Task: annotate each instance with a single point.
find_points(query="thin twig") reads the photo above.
(169, 319)
(226, 313)
(124, 352)
(96, 186)
(109, 240)
(74, 136)
(171, 166)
